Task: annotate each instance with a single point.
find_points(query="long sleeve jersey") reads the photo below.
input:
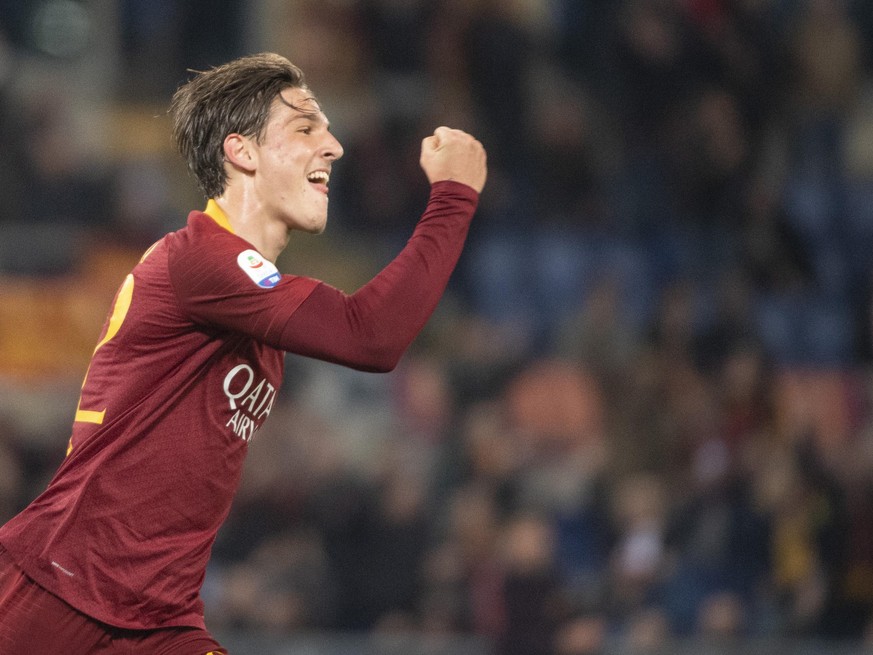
(186, 370)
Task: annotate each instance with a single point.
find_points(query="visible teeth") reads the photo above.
(319, 177)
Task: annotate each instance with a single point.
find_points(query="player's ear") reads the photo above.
(239, 151)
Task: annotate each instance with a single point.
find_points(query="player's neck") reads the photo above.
(250, 220)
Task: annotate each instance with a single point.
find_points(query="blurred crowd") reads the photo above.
(644, 410)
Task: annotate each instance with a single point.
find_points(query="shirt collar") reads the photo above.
(217, 214)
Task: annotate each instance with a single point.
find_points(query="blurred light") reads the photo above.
(61, 28)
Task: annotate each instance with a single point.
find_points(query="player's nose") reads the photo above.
(333, 149)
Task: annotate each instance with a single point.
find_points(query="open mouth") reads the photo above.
(319, 178)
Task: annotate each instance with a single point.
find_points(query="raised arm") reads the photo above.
(372, 328)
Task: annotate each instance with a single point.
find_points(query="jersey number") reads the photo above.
(119, 311)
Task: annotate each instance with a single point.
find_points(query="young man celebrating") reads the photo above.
(111, 557)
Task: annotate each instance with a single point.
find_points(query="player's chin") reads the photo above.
(316, 226)
(311, 222)
(318, 217)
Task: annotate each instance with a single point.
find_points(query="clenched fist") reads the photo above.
(454, 155)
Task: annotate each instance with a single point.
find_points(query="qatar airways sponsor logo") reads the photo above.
(249, 399)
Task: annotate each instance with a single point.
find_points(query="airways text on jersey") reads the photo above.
(250, 400)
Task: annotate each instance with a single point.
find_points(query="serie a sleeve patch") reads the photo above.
(262, 272)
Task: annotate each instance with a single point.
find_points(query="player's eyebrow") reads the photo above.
(311, 117)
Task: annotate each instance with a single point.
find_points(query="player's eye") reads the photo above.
(305, 130)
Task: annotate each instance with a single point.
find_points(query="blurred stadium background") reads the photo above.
(641, 420)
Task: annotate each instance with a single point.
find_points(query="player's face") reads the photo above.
(295, 157)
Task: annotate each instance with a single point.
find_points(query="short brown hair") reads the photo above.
(235, 97)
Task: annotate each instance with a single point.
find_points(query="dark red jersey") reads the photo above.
(186, 370)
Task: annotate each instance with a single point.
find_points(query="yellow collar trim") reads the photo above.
(217, 214)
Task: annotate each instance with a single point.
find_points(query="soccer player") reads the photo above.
(110, 558)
